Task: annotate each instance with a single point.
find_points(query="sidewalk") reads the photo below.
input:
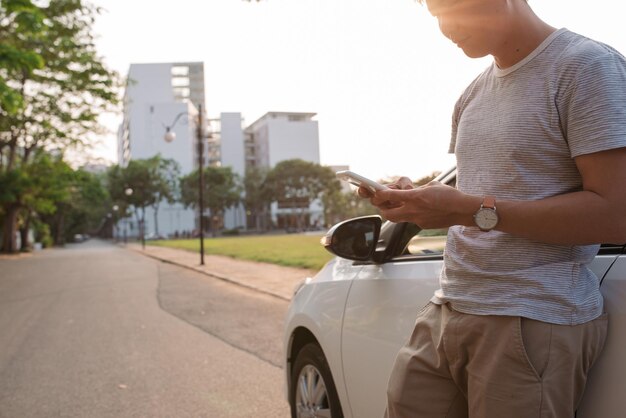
(271, 279)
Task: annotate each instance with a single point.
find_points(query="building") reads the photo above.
(280, 136)
(169, 95)
(158, 96)
(231, 154)
(274, 137)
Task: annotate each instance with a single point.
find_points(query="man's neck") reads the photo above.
(525, 34)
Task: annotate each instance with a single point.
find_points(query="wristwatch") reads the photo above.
(486, 218)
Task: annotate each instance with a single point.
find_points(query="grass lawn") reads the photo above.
(294, 250)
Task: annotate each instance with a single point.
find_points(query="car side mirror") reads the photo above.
(354, 239)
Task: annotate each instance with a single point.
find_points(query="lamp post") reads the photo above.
(109, 222)
(115, 219)
(169, 137)
(127, 191)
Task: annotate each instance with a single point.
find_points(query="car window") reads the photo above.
(426, 242)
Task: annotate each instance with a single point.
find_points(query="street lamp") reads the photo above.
(115, 220)
(128, 191)
(109, 221)
(171, 136)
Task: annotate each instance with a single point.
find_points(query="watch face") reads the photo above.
(486, 219)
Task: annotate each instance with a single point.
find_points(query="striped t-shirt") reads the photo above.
(515, 134)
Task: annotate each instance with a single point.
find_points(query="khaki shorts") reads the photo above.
(459, 365)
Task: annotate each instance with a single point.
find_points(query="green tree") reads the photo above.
(222, 190)
(257, 199)
(295, 184)
(12, 185)
(79, 201)
(151, 180)
(137, 177)
(84, 212)
(53, 88)
(52, 181)
(37, 189)
(23, 17)
(165, 173)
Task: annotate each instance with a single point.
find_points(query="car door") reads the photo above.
(384, 300)
(380, 313)
(606, 386)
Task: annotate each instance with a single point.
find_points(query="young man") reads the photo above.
(540, 142)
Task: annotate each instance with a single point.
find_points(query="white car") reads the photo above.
(345, 325)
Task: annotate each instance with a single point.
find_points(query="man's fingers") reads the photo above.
(386, 205)
(387, 199)
(405, 183)
(394, 195)
(364, 192)
(393, 213)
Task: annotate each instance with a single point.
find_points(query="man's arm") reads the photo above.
(594, 215)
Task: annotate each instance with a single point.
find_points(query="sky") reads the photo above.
(378, 73)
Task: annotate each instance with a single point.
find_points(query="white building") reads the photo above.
(169, 95)
(230, 152)
(280, 136)
(159, 96)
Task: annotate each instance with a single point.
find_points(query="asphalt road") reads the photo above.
(94, 330)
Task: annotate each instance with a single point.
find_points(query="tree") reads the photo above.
(295, 184)
(53, 88)
(139, 177)
(165, 174)
(88, 205)
(222, 190)
(257, 198)
(151, 180)
(49, 189)
(18, 16)
(78, 202)
(35, 189)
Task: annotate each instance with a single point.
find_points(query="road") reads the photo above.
(93, 330)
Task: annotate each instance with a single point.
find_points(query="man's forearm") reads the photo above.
(571, 219)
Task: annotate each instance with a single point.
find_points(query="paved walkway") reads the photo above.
(272, 279)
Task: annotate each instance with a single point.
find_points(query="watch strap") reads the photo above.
(489, 202)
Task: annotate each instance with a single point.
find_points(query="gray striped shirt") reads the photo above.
(515, 134)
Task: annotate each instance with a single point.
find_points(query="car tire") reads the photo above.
(311, 375)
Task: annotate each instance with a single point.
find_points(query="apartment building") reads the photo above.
(165, 95)
(280, 136)
(158, 96)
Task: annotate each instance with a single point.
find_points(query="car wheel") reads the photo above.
(312, 393)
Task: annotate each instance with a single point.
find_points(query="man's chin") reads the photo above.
(473, 53)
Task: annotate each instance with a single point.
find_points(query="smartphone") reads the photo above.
(359, 181)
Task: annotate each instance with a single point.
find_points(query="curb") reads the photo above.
(210, 274)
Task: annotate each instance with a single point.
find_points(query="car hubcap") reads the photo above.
(311, 395)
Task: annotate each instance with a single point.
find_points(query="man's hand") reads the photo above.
(403, 183)
(434, 205)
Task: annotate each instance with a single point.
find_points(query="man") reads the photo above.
(540, 142)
